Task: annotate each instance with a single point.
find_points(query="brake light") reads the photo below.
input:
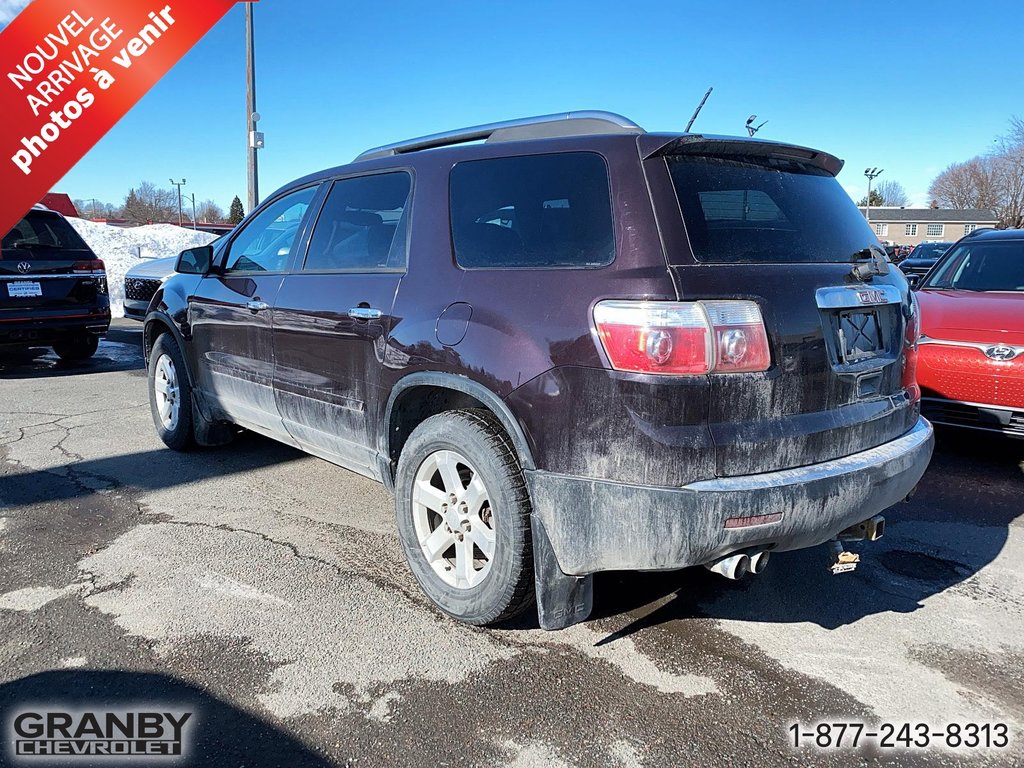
(683, 338)
(88, 267)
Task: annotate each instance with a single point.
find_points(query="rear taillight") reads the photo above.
(88, 267)
(683, 338)
(911, 336)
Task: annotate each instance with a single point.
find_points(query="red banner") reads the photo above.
(70, 69)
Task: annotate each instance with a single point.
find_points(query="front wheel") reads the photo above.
(170, 395)
(463, 515)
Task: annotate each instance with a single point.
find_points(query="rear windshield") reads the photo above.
(928, 251)
(750, 209)
(44, 236)
(532, 212)
(981, 267)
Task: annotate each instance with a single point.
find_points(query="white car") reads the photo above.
(141, 282)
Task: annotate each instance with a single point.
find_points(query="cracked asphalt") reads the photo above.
(265, 591)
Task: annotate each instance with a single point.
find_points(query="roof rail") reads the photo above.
(581, 123)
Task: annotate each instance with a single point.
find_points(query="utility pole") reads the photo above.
(93, 201)
(179, 185)
(871, 173)
(255, 138)
(192, 197)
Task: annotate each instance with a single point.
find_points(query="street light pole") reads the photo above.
(252, 117)
(871, 173)
(179, 185)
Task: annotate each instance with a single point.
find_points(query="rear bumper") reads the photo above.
(599, 526)
(980, 416)
(46, 327)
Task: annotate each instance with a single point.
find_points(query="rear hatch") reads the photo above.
(778, 229)
(47, 268)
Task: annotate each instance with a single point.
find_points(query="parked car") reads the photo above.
(971, 359)
(141, 283)
(53, 289)
(922, 258)
(570, 348)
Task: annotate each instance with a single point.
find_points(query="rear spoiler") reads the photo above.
(655, 145)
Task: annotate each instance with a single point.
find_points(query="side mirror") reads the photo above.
(195, 261)
(912, 281)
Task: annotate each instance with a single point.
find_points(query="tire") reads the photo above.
(80, 347)
(170, 394)
(476, 590)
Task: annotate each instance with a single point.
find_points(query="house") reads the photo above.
(910, 226)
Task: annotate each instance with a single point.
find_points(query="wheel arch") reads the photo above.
(421, 395)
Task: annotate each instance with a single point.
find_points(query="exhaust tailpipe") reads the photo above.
(758, 561)
(734, 566)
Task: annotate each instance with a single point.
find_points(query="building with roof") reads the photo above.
(910, 226)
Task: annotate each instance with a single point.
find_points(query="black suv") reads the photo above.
(572, 347)
(53, 289)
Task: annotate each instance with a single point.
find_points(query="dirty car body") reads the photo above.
(689, 346)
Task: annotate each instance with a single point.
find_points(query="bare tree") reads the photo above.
(148, 202)
(892, 193)
(994, 181)
(210, 213)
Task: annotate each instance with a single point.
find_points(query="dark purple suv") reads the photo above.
(571, 347)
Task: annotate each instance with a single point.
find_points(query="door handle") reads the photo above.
(255, 306)
(365, 313)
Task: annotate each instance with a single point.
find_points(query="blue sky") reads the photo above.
(906, 86)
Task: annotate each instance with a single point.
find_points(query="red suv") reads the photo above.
(571, 347)
(971, 364)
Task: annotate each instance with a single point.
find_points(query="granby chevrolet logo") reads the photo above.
(65, 734)
(871, 297)
(1001, 352)
(24, 267)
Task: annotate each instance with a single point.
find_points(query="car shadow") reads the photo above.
(143, 471)
(119, 350)
(217, 734)
(956, 524)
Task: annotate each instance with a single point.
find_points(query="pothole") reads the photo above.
(918, 565)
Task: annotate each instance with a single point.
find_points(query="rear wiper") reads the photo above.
(878, 264)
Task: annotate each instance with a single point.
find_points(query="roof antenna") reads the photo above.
(751, 128)
(698, 109)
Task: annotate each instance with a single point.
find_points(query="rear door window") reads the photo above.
(752, 209)
(362, 226)
(43, 235)
(534, 211)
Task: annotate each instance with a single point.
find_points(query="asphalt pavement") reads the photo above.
(265, 591)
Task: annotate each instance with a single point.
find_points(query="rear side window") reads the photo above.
(44, 236)
(766, 210)
(362, 226)
(537, 211)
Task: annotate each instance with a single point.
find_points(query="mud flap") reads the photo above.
(209, 433)
(561, 600)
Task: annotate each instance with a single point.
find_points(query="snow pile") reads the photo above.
(119, 247)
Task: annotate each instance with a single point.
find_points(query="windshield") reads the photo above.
(929, 251)
(753, 209)
(44, 235)
(992, 266)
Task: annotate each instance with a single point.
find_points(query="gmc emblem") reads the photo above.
(871, 297)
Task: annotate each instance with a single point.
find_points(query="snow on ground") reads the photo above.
(119, 247)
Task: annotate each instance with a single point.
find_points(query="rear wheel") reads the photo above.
(77, 347)
(463, 515)
(170, 395)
